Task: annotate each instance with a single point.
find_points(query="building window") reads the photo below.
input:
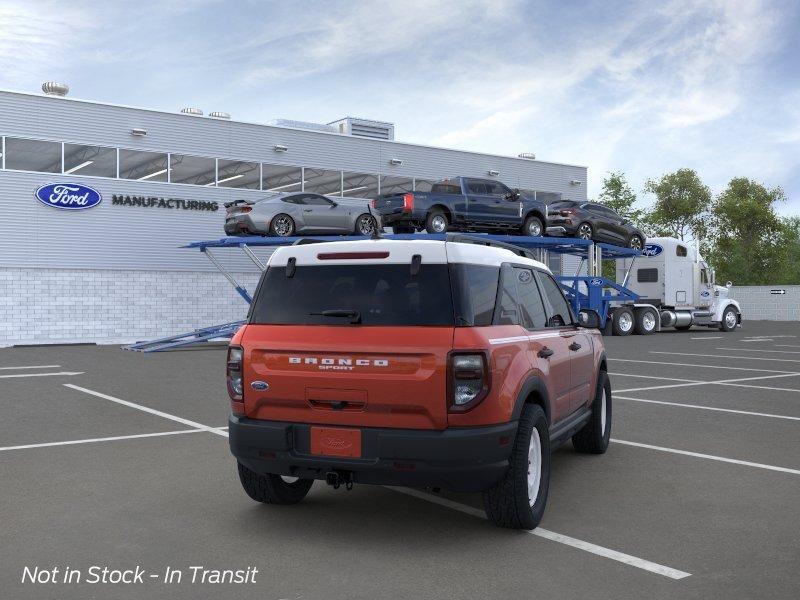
(359, 185)
(280, 178)
(194, 170)
(143, 166)
(237, 174)
(33, 155)
(396, 185)
(423, 185)
(97, 161)
(320, 181)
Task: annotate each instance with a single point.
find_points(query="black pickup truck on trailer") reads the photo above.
(463, 204)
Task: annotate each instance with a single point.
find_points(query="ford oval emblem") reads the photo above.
(652, 250)
(705, 293)
(68, 196)
(260, 385)
(596, 282)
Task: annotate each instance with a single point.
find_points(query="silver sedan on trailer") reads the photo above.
(287, 214)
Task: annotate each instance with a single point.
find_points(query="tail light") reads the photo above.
(245, 209)
(468, 380)
(408, 202)
(234, 373)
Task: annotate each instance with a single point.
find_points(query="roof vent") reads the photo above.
(192, 111)
(377, 130)
(302, 125)
(219, 115)
(527, 155)
(51, 88)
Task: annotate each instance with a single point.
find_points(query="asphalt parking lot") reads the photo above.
(117, 458)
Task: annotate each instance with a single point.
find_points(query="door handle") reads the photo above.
(574, 346)
(545, 353)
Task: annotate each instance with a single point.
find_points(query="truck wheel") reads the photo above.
(622, 323)
(729, 319)
(645, 321)
(436, 222)
(533, 227)
(281, 226)
(273, 489)
(518, 500)
(593, 438)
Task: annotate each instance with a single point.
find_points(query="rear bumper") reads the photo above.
(397, 216)
(464, 459)
(244, 225)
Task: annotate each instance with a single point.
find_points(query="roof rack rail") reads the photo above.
(482, 241)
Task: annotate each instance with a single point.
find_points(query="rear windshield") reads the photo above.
(381, 294)
(438, 295)
(446, 187)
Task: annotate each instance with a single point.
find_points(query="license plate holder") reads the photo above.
(335, 441)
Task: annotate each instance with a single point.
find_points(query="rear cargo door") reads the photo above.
(343, 375)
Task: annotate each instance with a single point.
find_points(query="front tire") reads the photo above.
(281, 226)
(593, 437)
(437, 222)
(273, 489)
(518, 500)
(533, 227)
(729, 320)
(366, 225)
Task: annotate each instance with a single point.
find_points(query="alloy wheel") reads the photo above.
(282, 226)
(439, 224)
(636, 243)
(585, 231)
(366, 225)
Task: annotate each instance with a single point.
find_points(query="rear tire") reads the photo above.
(518, 500)
(729, 320)
(623, 321)
(593, 438)
(272, 489)
(281, 226)
(646, 322)
(533, 227)
(437, 221)
(366, 225)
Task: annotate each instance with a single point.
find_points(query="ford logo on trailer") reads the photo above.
(596, 282)
(652, 250)
(68, 196)
(705, 294)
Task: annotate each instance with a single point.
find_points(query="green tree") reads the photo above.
(618, 195)
(750, 243)
(681, 206)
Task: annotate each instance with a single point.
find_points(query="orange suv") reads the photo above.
(450, 364)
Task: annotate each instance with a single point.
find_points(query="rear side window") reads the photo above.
(474, 293)
(383, 294)
(530, 300)
(560, 314)
(647, 275)
(446, 187)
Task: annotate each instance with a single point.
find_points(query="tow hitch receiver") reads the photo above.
(338, 478)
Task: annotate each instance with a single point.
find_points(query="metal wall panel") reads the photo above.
(122, 237)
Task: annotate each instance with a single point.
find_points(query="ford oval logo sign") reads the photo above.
(68, 196)
(705, 294)
(652, 250)
(595, 282)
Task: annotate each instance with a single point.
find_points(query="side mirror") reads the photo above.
(589, 318)
(334, 204)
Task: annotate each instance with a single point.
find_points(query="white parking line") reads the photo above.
(656, 362)
(708, 456)
(103, 439)
(31, 367)
(748, 358)
(152, 411)
(726, 410)
(654, 377)
(787, 346)
(759, 350)
(64, 373)
(627, 559)
(717, 382)
(708, 337)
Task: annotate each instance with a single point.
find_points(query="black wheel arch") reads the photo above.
(445, 209)
(535, 212)
(533, 391)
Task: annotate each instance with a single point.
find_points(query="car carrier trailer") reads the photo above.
(619, 308)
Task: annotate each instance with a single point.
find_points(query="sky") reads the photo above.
(639, 87)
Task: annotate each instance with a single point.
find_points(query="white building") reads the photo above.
(115, 272)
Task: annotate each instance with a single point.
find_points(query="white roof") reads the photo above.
(399, 252)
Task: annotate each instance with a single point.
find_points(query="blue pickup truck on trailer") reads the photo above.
(463, 204)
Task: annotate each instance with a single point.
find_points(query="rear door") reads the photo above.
(387, 370)
(578, 343)
(547, 346)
